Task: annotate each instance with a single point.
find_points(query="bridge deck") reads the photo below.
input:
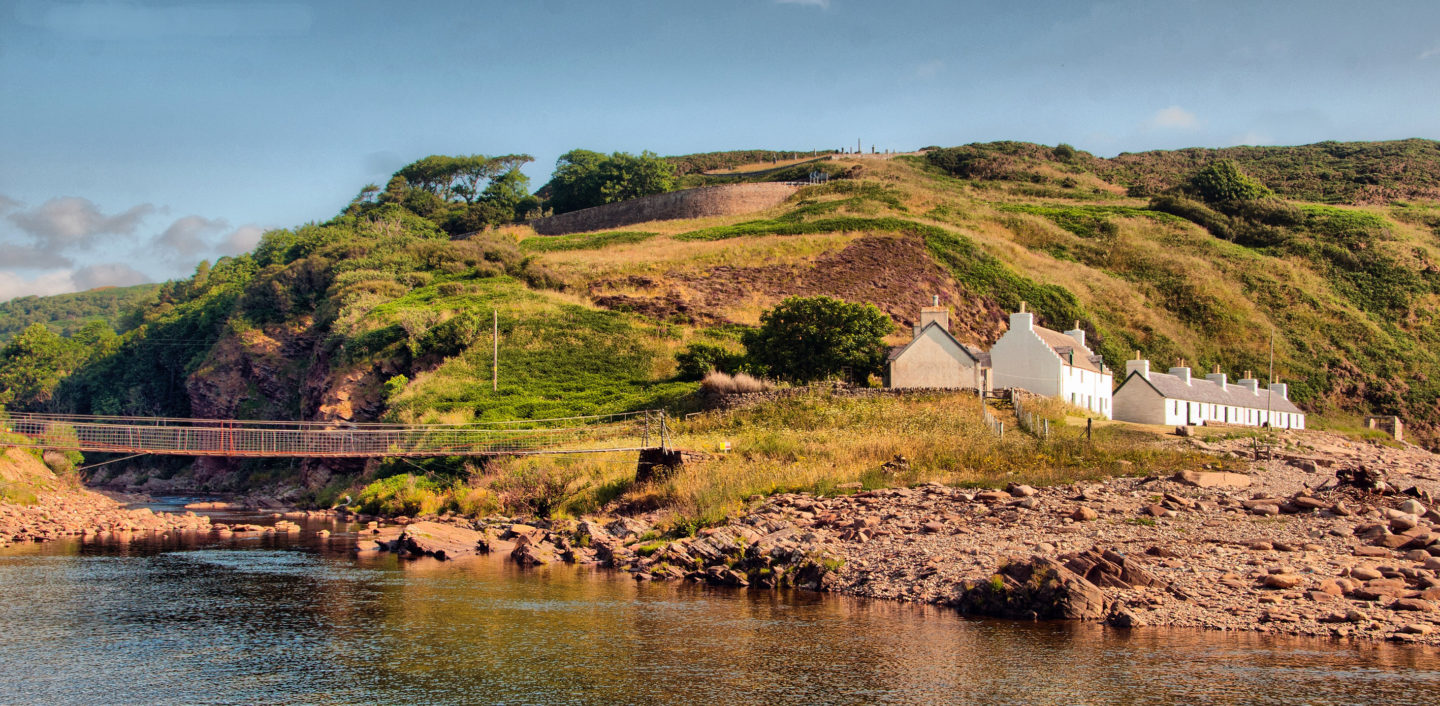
(263, 439)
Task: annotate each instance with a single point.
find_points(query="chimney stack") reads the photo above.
(1077, 333)
(1217, 377)
(1250, 383)
(1281, 389)
(1138, 365)
(1181, 371)
(1022, 320)
(938, 314)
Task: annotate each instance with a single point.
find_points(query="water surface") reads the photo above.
(300, 619)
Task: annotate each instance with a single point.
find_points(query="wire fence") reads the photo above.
(1036, 424)
(631, 431)
(996, 426)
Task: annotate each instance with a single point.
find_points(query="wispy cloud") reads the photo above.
(822, 4)
(1174, 117)
(193, 238)
(187, 238)
(241, 240)
(31, 256)
(74, 222)
(8, 204)
(110, 274)
(1430, 53)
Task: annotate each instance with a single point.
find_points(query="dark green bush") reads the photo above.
(700, 358)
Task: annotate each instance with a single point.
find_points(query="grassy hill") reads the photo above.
(67, 313)
(379, 314)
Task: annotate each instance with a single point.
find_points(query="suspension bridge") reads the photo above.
(633, 431)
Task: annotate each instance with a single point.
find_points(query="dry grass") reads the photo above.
(738, 383)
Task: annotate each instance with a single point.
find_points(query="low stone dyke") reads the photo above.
(711, 400)
(722, 200)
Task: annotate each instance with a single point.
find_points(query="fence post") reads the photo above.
(664, 430)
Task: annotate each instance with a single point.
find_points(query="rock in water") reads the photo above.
(530, 551)
(1040, 587)
(438, 540)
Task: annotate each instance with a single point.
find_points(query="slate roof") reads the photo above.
(1064, 345)
(974, 353)
(1202, 390)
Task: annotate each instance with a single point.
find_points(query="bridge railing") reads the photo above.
(212, 437)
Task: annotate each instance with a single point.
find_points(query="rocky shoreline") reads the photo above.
(68, 513)
(1286, 548)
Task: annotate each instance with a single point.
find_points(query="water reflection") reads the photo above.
(296, 618)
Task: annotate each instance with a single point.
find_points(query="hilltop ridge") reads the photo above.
(380, 313)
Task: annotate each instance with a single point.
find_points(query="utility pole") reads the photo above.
(1269, 388)
(495, 356)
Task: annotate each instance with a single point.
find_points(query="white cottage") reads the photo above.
(935, 360)
(1051, 363)
(1178, 399)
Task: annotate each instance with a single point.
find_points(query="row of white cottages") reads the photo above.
(1056, 364)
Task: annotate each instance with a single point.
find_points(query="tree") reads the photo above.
(583, 178)
(814, 338)
(34, 362)
(1222, 180)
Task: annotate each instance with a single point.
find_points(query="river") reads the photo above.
(300, 619)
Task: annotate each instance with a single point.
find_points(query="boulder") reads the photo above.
(1037, 588)
(1084, 514)
(438, 540)
(1109, 569)
(1412, 507)
(1283, 581)
(627, 527)
(1020, 491)
(530, 551)
(1212, 479)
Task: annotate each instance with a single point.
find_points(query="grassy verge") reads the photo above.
(583, 241)
(813, 443)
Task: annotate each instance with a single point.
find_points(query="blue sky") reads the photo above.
(141, 137)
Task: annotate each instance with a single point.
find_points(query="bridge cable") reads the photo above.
(106, 463)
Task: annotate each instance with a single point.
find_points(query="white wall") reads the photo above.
(1021, 359)
(1088, 389)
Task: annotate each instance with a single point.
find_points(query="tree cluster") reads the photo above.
(37, 360)
(802, 339)
(583, 179)
(462, 194)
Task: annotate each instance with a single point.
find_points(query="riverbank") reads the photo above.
(40, 506)
(1280, 548)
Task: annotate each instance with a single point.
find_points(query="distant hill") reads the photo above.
(1325, 172)
(67, 313)
(380, 314)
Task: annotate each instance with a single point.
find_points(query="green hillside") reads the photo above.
(66, 314)
(380, 313)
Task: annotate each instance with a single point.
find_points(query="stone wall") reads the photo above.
(712, 400)
(723, 200)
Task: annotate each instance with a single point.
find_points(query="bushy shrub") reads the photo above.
(403, 494)
(1222, 180)
(701, 358)
(814, 338)
(452, 336)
